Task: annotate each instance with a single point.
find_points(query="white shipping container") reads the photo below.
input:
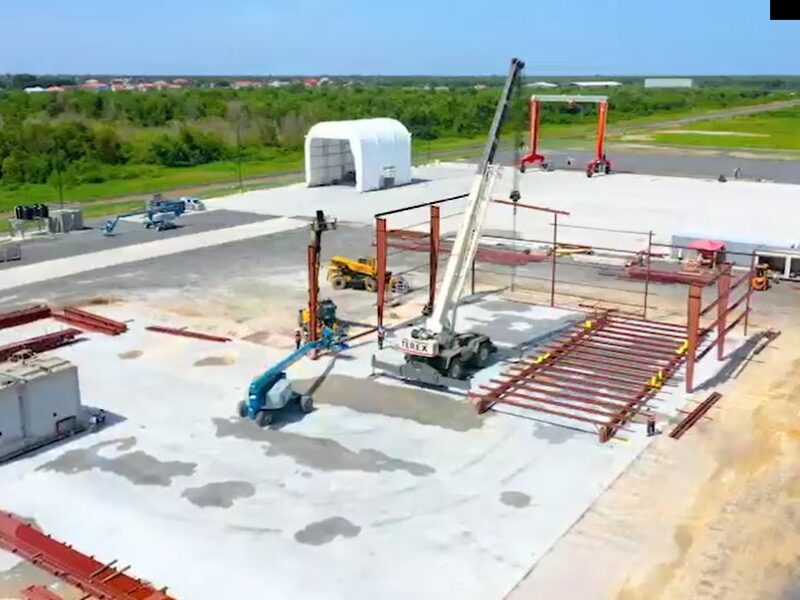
(11, 428)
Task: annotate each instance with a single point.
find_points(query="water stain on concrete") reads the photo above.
(515, 499)
(137, 467)
(318, 453)
(216, 361)
(258, 337)
(553, 434)
(220, 494)
(324, 532)
(368, 396)
(130, 354)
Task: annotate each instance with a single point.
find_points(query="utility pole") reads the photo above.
(239, 148)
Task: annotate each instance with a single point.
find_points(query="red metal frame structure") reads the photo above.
(431, 242)
(727, 316)
(95, 579)
(39, 592)
(601, 372)
(600, 162)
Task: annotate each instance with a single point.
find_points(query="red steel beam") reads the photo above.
(533, 207)
(540, 409)
(638, 349)
(39, 592)
(694, 416)
(92, 322)
(613, 357)
(41, 343)
(547, 401)
(92, 577)
(604, 378)
(24, 315)
(556, 388)
(634, 340)
(188, 333)
(656, 333)
(636, 375)
(587, 379)
(613, 318)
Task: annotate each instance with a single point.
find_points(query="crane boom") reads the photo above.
(466, 243)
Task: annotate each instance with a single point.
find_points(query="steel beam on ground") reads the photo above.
(667, 337)
(552, 402)
(557, 389)
(40, 343)
(634, 374)
(606, 355)
(24, 315)
(587, 379)
(634, 339)
(622, 378)
(629, 350)
(651, 324)
(485, 404)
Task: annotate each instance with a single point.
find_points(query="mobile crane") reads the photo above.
(436, 353)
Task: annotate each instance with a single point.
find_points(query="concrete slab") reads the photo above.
(666, 205)
(62, 267)
(390, 493)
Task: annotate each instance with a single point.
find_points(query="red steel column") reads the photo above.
(647, 278)
(693, 332)
(723, 290)
(553, 267)
(602, 117)
(749, 292)
(434, 255)
(535, 119)
(313, 292)
(380, 244)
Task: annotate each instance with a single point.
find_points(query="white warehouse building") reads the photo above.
(371, 154)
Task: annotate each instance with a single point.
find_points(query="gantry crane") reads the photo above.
(436, 353)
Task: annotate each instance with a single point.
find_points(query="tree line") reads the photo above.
(84, 135)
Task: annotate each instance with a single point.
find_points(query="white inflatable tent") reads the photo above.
(371, 153)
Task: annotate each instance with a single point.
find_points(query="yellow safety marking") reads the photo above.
(682, 348)
(588, 324)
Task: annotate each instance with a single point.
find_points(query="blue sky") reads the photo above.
(395, 37)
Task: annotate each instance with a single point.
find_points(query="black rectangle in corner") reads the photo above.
(784, 10)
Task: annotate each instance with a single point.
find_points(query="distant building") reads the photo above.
(541, 84)
(595, 84)
(34, 90)
(668, 82)
(276, 83)
(181, 82)
(479, 86)
(245, 84)
(310, 82)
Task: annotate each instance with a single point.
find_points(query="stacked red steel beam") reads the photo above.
(668, 276)
(602, 372)
(41, 343)
(693, 417)
(24, 315)
(39, 592)
(486, 254)
(90, 321)
(95, 579)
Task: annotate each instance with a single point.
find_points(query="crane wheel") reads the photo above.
(264, 418)
(241, 408)
(339, 283)
(370, 284)
(306, 403)
(482, 355)
(456, 369)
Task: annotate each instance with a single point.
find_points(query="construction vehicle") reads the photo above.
(761, 278)
(360, 274)
(326, 318)
(435, 353)
(160, 220)
(271, 391)
(159, 204)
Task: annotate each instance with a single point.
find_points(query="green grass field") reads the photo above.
(775, 130)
